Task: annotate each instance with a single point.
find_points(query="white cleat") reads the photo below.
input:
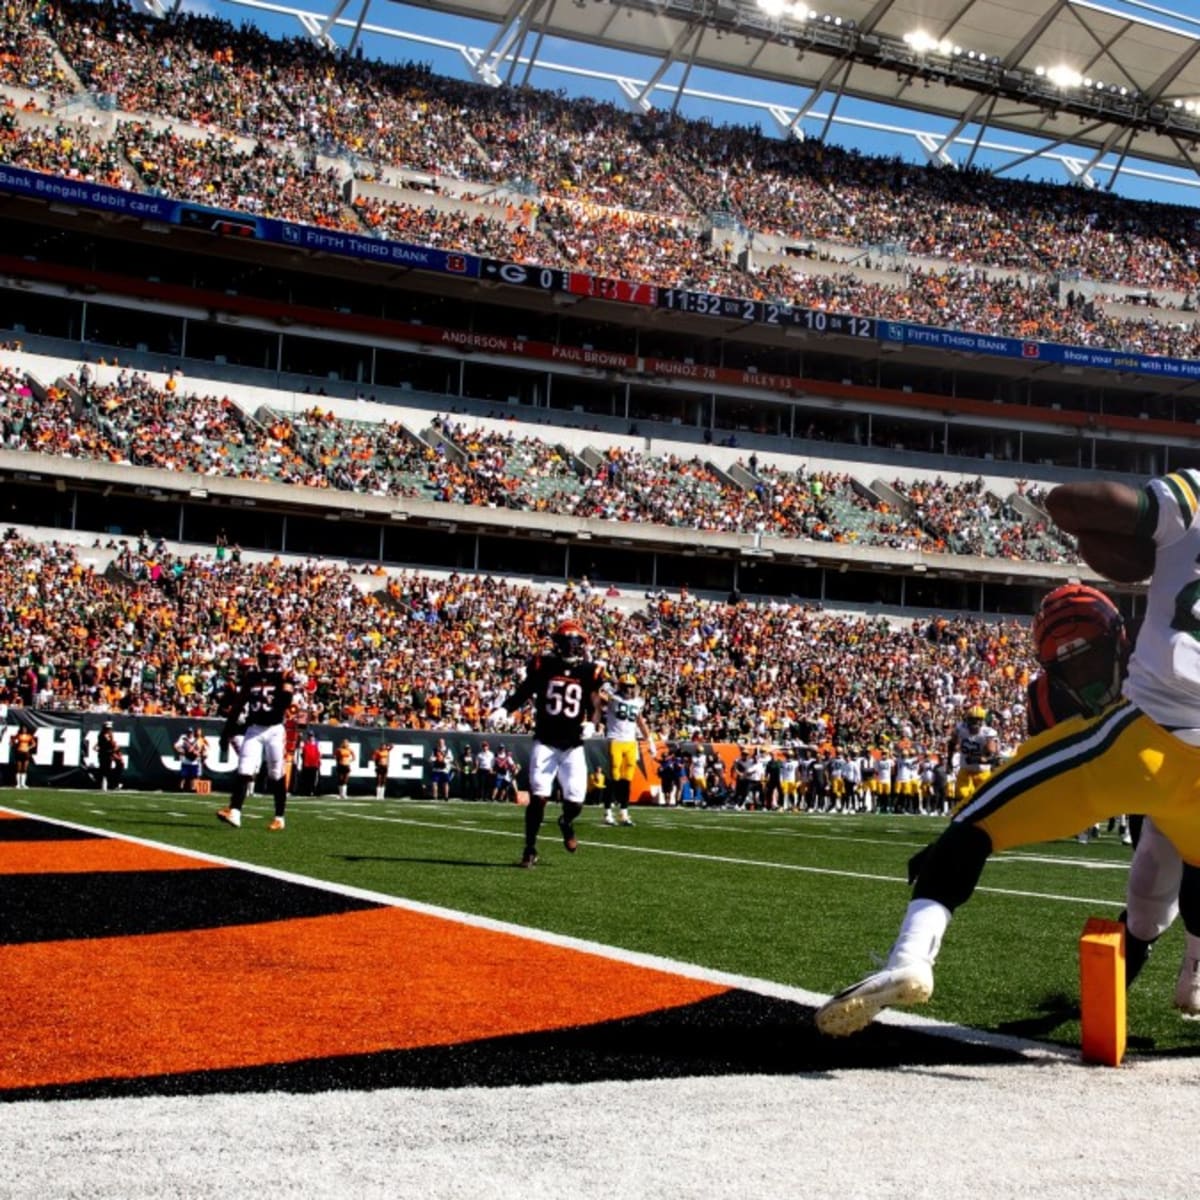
(1187, 989)
(857, 1006)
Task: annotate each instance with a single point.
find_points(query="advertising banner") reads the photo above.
(66, 755)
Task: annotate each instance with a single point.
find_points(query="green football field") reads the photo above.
(803, 900)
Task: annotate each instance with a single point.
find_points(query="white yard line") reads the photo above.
(338, 809)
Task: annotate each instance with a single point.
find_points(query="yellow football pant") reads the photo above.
(624, 760)
(1085, 770)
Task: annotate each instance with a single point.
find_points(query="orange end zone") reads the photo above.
(92, 854)
(362, 982)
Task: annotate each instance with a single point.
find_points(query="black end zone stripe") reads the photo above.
(738, 1033)
(58, 907)
(24, 829)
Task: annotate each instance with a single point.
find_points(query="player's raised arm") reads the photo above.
(1102, 507)
(1109, 523)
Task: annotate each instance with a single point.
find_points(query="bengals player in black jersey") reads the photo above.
(1083, 648)
(566, 692)
(228, 703)
(263, 700)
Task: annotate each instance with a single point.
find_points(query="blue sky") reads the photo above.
(854, 118)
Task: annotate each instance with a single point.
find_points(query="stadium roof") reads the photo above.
(1098, 88)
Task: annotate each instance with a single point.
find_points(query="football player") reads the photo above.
(1137, 754)
(978, 748)
(624, 722)
(566, 691)
(1083, 649)
(263, 700)
(228, 709)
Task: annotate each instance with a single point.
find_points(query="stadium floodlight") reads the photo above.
(920, 42)
(1063, 76)
(774, 8)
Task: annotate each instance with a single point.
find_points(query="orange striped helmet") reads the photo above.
(570, 640)
(270, 657)
(1072, 619)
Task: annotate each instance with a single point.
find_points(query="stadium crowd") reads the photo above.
(215, 171)
(210, 72)
(161, 633)
(135, 420)
(630, 194)
(27, 54)
(65, 150)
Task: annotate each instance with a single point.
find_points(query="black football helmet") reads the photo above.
(570, 641)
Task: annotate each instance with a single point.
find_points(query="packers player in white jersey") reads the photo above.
(977, 746)
(623, 722)
(1141, 752)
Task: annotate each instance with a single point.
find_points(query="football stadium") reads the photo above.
(415, 413)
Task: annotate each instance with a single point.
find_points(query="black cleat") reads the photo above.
(528, 860)
(570, 844)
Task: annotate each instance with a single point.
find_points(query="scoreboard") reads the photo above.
(702, 304)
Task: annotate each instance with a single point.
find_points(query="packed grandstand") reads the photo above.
(144, 621)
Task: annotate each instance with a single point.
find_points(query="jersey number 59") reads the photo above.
(564, 697)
